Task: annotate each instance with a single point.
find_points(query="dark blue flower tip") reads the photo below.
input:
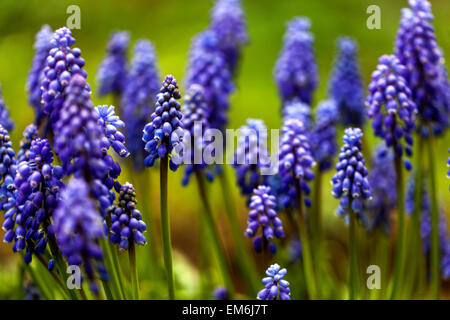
(29, 134)
(275, 287)
(126, 220)
(112, 73)
(164, 134)
(351, 183)
(295, 71)
(263, 214)
(5, 120)
(110, 124)
(221, 293)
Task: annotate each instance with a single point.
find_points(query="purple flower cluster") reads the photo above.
(228, 23)
(126, 220)
(62, 63)
(5, 121)
(391, 106)
(346, 85)
(112, 73)
(37, 185)
(208, 67)
(7, 170)
(79, 140)
(275, 287)
(323, 136)
(382, 179)
(78, 227)
(350, 183)
(42, 47)
(295, 71)
(195, 122)
(263, 214)
(426, 75)
(138, 98)
(295, 160)
(163, 135)
(251, 155)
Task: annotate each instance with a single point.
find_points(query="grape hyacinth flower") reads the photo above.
(295, 71)
(42, 47)
(295, 109)
(5, 121)
(164, 134)
(323, 136)
(7, 169)
(138, 98)
(112, 73)
(78, 228)
(296, 160)
(275, 287)
(263, 214)
(295, 170)
(228, 23)
(391, 107)
(126, 220)
(351, 185)
(382, 179)
(208, 67)
(38, 183)
(346, 85)
(195, 123)
(29, 134)
(426, 76)
(62, 63)
(79, 140)
(251, 155)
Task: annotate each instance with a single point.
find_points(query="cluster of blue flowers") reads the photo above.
(382, 181)
(295, 160)
(251, 155)
(296, 109)
(275, 287)
(37, 185)
(138, 98)
(263, 214)
(346, 85)
(296, 72)
(323, 136)
(195, 123)
(29, 134)
(208, 68)
(42, 46)
(112, 73)
(126, 220)
(62, 62)
(5, 120)
(426, 74)
(391, 106)
(78, 228)
(164, 134)
(350, 183)
(228, 23)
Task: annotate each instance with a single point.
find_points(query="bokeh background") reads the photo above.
(170, 25)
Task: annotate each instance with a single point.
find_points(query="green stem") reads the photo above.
(306, 247)
(134, 273)
(111, 268)
(247, 265)
(435, 265)
(400, 252)
(353, 269)
(214, 234)
(117, 267)
(165, 228)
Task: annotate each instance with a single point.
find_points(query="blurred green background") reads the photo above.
(170, 25)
